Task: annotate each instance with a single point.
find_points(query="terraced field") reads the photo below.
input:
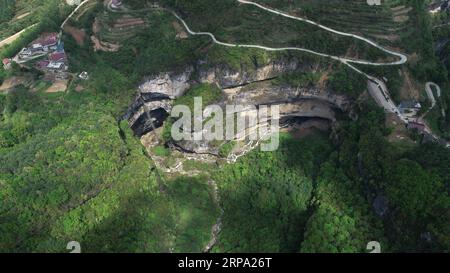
(381, 23)
(235, 23)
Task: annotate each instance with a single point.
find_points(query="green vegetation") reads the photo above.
(161, 151)
(440, 36)
(265, 196)
(238, 58)
(330, 188)
(346, 81)
(209, 93)
(71, 170)
(226, 148)
(148, 51)
(299, 79)
(351, 16)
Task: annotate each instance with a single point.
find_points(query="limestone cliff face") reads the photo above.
(243, 86)
(175, 84)
(266, 93)
(294, 104)
(170, 84)
(226, 77)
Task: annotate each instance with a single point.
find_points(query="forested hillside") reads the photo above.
(72, 170)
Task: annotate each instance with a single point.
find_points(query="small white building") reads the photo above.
(25, 52)
(36, 46)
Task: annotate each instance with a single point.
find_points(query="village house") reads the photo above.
(25, 52)
(55, 65)
(57, 57)
(42, 45)
(57, 60)
(6, 63)
(46, 42)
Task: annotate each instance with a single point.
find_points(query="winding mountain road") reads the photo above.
(378, 89)
(402, 58)
(429, 90)
(430, 94)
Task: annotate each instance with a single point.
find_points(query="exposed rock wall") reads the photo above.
(241, 87)
(172, 85)
(226, 77)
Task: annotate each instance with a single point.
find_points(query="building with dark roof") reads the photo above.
(57, 56)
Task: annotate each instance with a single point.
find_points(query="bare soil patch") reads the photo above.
(399, 131)
(181, 34)
(410, 89)
(78, 34)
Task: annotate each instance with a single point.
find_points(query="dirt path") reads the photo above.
(14, 37)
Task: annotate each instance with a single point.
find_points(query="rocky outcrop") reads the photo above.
(172, 85)
(267, 94)
(294, 104)
(154, 100)
(241, 87)
(148, 111)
